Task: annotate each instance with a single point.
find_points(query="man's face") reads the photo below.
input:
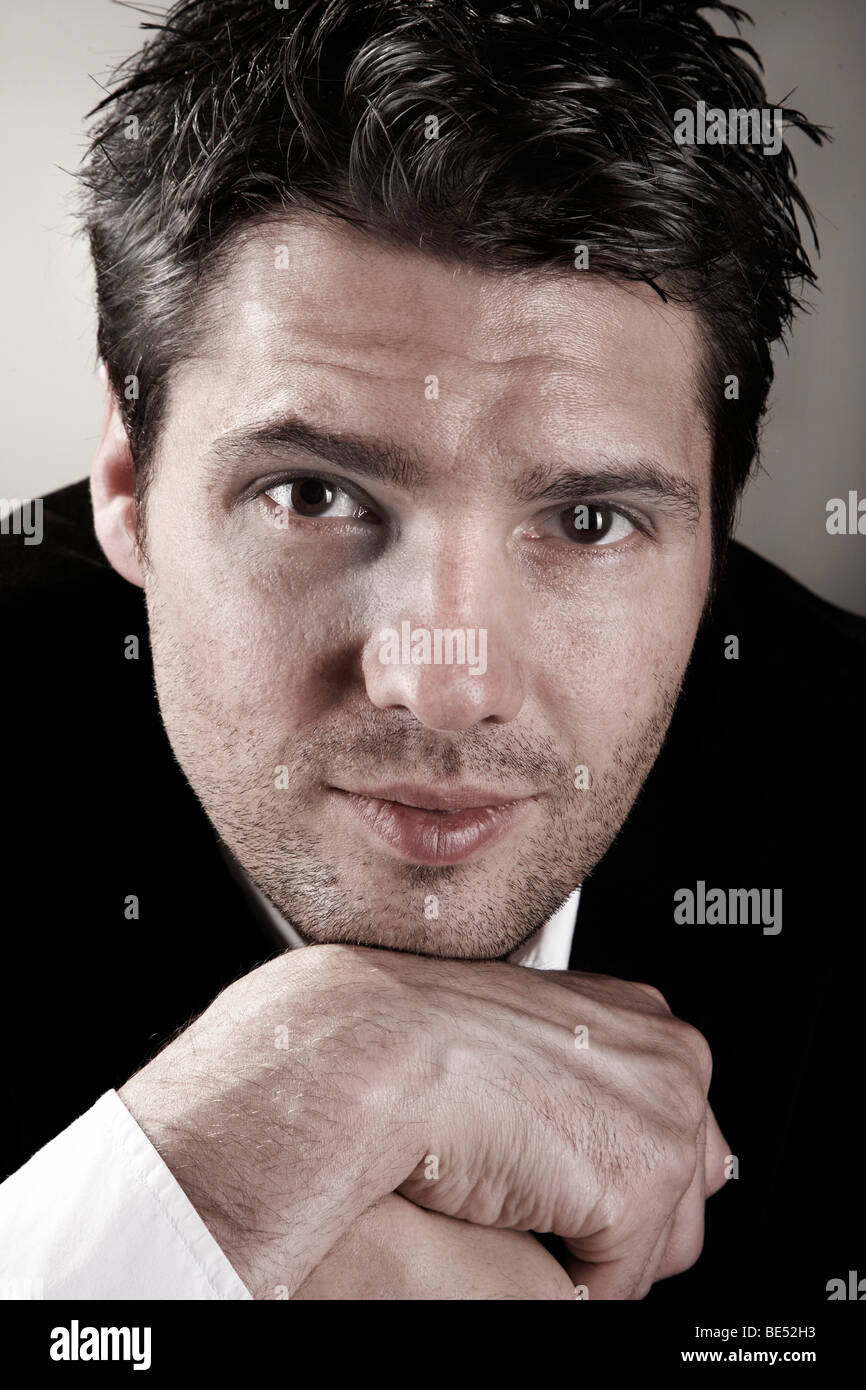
(520, 459)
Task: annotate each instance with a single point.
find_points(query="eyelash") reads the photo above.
(286, 480)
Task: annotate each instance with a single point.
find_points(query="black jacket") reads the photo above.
(758, 785)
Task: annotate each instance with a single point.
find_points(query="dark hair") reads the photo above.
(556, 128)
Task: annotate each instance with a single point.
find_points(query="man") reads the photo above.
(435, 359)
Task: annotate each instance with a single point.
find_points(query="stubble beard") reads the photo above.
(342, 893)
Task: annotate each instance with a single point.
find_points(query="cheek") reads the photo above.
(271, 661)
(275, 625)
(251, 653)
(295, 647)
(619, 654)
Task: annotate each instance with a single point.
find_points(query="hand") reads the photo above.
(397, 1251)
(391, 1058)
(275, 1111)
(613, 1147)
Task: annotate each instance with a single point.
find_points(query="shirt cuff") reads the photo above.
(97, 1214)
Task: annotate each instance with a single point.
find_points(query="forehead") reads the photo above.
(310, 313)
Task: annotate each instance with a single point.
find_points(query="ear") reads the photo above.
(112, 490)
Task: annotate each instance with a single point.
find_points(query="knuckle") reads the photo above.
(655, 995)
(678, 1171)
(692, 1109)
(681, 1104)
(716, 1179)
(683, 1251)
(692, 1051)
(701, 1054)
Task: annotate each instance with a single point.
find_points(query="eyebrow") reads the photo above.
(383, 461)
(641, 476)
(380, 460)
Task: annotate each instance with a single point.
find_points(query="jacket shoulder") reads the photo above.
(55, 546)
(765, 597)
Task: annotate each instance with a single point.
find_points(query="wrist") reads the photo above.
(279, 1151)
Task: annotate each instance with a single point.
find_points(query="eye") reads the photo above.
(315, 497)
(592, 524)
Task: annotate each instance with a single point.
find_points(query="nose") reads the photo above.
(452, 657)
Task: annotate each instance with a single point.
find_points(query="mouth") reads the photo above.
(425, 826)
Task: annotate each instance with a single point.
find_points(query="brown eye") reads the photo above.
(587, 523)
(317, 498)
(308, 496)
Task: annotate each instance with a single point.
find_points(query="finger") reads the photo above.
(672, 1249)
(619, 1273)
(716, 1155)
(686, 1236)
(629, 1275)
(607, 989)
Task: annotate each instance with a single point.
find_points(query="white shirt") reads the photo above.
(97, 1214)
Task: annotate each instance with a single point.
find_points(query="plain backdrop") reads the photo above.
(55, 54)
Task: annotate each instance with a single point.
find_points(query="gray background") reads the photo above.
(56, 52)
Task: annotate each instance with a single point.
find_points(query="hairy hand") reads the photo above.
(548, 1101)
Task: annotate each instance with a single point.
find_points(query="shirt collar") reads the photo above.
(550, 947)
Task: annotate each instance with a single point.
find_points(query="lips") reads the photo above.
(426, 826)
(445, 799)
